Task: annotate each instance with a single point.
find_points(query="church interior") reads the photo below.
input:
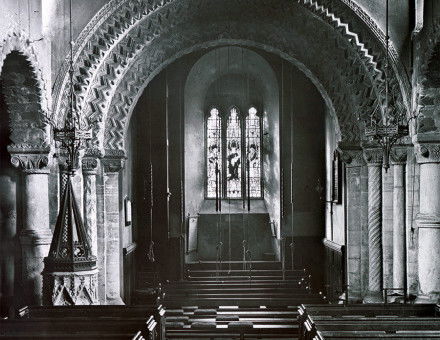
(205, 169)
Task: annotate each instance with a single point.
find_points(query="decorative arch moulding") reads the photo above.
(127, 42)
(17, 41)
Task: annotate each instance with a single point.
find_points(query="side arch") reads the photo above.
(25, 94)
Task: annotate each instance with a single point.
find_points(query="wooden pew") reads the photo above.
(100, 311)
(231, 322)
(81, 328)
(375, 335)
(383, 321)
(88, 321)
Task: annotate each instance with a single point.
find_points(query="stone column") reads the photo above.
(373, 157)
(353, 160)
(428, 222)
(89, 167)
(398, 160)
(35, 235)
(8, 232)
(112, 166)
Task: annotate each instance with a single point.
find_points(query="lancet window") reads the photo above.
(233, 154)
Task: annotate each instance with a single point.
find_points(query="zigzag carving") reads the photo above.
(121, 33)
(398, 83)
(335, 85)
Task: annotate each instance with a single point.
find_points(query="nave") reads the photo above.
(227, 304)
(219, 169)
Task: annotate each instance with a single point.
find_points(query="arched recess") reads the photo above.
(427, 80)
(147, 36)
(256, 82)
(22, 129)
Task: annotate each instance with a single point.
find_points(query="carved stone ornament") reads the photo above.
(89, 165)
(70, 289)
(428, 153)
(113, 164)
(373, 156)
(120, 62)
(352, 157)
(399, 155)
(31, 162)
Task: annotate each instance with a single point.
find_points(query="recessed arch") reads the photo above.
(425, 102)
(119, 52)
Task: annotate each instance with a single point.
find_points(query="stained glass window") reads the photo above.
(233, 155)
(253, 154)
(214, 152)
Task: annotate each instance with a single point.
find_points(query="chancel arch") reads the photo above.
(133, 53)
(122, 69)
(210, 118)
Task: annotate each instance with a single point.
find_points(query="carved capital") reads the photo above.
(398, 155)
(31, 163)
(373, 156)
(93, 152)
(427, 152)
(89, 165)
(352, 157)
(113, 164)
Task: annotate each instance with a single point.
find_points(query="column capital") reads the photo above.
(35, 162)
(427, 152)
(113, 164)
(351, 157)
(373, 156)
(398, 155)
(89, 165)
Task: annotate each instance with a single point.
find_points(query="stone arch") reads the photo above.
(140, 30)
(26, 95)
(427, 94)
(118, 120)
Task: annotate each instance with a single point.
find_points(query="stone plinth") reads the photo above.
(67, 288)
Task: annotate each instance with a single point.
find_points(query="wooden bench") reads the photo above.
(82, 328)
(113, 322)
(382, 321)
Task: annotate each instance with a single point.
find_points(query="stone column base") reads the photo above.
(114, 301)
(431, 298)
(35, 246)
(354, 296)
(373, 297)
(70, 288)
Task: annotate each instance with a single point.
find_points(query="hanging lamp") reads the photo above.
(70, 272)
(387, 127)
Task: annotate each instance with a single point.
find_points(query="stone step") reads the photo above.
(212, 265)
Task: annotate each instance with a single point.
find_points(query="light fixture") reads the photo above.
(70, 250)
(388, 126)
